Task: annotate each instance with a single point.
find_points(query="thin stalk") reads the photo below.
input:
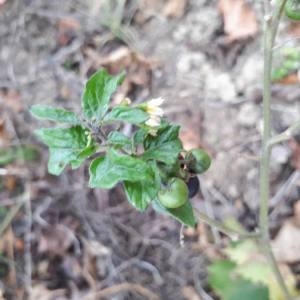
(231, 233)
(9, 217)
(265, 156)
(270, 30)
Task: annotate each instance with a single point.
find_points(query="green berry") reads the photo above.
(175, 194)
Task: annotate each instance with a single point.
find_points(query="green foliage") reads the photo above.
(54, 114)
(183, 214)
(231, 287)
(107, 171)
(247, 275)
(139, 161)
(165, 147)
(287, 60)
(66, 145)
(292, 9)
(127, 114)
(97, 93)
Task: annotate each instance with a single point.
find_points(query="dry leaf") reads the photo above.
(286, 245)
(147, 9)
(150, 8)
(39, 291)
(189, 138)
(297, 213)
(295, 148)
(175, 8)
(294, 29)
(239, 19)
(290, 79)
(67, 30)
(4, 137)
(11, 99)
(55, 240)
(189, 293)
(10, 182)
(138, 67)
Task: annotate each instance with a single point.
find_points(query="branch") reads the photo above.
(231, 233)
(286, 135)
(123, 287)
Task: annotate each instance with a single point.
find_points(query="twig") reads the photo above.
(286, 135)
(9, 216)
(284, 189)
(143, 265)
(118, 288)
(233, 234)
(27, 235)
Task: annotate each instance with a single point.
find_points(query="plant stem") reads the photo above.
(233, 234)
(271, 24)
(265, 156)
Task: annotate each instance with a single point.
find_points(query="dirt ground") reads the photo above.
(85, 241)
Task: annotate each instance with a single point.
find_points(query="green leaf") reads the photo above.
(107, 171)
(231, 287)
(119, 139)
(252, 265)
(54, 114)
(128, 114)
(139, 136)
(219, 274)
(141, 193)
(73, 138)
(240, 251)
(166, 152)
(58, 159)
(67, 145)
(83, 155)
(97, 93)
(165, 134)
(183, 214)
(138, 194)
(165, 146)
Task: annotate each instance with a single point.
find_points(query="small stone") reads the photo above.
(248, 115)
(280, 154)
(220, 86)
(187, 62)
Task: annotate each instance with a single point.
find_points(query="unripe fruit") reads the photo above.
(198, 161)
(292, 9)
(175, 194)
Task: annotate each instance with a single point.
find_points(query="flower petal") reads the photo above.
(156, 102)
(153, 121)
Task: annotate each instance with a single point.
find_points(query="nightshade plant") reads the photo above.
(150, 162)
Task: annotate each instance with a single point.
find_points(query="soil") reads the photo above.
(84, 240)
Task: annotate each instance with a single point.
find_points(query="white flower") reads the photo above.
(153, 121)
(152, 107)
